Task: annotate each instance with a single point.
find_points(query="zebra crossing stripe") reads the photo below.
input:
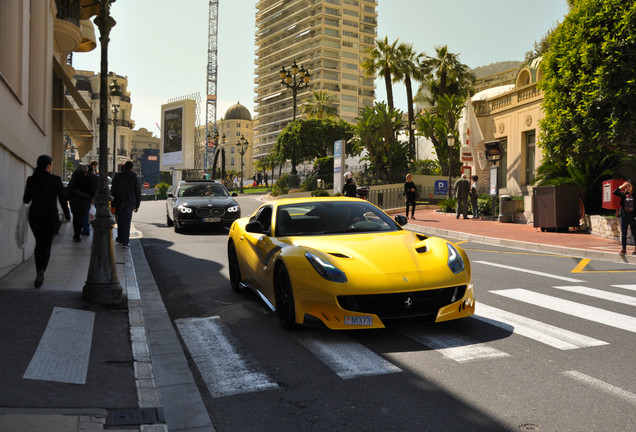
(458, 348)
(537, 273)
(346, 357)
(602, 385)
(223, 364)
(591, 313)
(597, 293)
(541, 332)
(627, 287)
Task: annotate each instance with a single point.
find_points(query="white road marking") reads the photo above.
(537, 273)
(597, 293)
(458, 348)
(64, 350)
(627, 287)
(612, 319)
(602, 385)
(541, 332)
(224, 367)
(346, 357)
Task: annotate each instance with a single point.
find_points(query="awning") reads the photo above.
(78, 115)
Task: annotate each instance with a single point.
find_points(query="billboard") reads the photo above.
(177, 132)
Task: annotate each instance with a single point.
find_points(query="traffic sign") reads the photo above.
(146, 185)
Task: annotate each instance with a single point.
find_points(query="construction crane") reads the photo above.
(210, 109)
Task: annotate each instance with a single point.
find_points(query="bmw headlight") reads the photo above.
(183, 209)
(326, 269)
(455, 261)
(233, 209)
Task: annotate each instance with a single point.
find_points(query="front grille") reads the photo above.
(403, 305)
(207, 212)
(203, 212)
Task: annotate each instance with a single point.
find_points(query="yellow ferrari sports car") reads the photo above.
(346, 264)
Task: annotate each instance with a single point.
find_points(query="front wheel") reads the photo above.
(169, 221)
(284, 299)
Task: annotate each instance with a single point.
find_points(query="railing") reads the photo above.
(392, 197)
(68, 10)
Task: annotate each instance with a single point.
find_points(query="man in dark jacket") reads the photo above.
(126, 199)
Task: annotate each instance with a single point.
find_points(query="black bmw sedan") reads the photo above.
(200, 203)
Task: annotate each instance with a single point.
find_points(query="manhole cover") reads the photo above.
(135, 416)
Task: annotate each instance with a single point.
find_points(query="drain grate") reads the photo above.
(135, 416)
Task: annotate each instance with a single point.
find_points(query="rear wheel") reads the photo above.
(235, 271)
(284, 298)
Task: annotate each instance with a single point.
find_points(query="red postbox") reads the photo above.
(611, 201)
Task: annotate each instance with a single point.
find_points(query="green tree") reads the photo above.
(306, 139)
(407, 66)
(383, 61)
(377, 132)
(589, 84)
(445, 74)
(321, 104)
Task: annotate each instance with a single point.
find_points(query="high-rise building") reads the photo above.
(330, 38)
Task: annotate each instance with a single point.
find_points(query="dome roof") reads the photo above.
(238, 112)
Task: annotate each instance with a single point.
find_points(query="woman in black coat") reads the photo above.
(43, 190)
(627, 213)
(80, 195)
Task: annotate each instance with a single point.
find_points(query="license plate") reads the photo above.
(217, 219)
(358, 320)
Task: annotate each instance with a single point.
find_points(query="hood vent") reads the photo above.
(339, 255)
(421, 249)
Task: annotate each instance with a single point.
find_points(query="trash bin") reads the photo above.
(556, 207)
(611, 201)
(506, 209)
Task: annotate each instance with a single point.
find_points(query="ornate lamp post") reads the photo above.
(242, 145)
(102, 285)
(295, 79)
(450, 140)
(494, 153)
(115, 101)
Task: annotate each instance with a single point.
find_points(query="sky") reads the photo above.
(161, 46)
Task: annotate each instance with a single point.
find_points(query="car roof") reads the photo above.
(198, 181)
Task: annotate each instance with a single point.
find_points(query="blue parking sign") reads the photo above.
(441, 187)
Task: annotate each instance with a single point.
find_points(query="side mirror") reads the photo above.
(234, 194)
(401, 220)
(254, 227)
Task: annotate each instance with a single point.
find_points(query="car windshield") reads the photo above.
(202, 190)
(331, 217)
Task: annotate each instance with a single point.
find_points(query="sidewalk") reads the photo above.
(68, 365)
(521, 236)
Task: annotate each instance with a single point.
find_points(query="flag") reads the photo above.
(472, 132)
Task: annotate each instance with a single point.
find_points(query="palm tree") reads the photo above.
(444, 74)
(383, 61)
(321, 104)
(407, 66)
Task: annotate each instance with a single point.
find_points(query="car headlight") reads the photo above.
(233, 209)
(183, 209)
(455, 261)
(326, 269)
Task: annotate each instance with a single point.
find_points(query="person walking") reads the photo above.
(474, 193)
(627, 213)
(349, 188)
(266, 179)
(92, 173)
(462, 190)
(80, 196)
(44, 190)
(127, 197)
(410, 192)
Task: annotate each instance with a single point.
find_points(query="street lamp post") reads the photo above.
(102, 285)
(295, 79)
(450, 140)
(242, 145)
(494, 153)
(115, 101)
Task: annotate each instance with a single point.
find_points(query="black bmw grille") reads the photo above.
(205, 212)
(403, 305)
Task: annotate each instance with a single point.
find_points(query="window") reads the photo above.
(332, 22)
(232, 151)
(331, 32)
(350, 12)
(530, 154)
(350, 66)
(350, 34)
(238, 125)
(502, 172)
(11, 21)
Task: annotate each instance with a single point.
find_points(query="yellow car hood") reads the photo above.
(381, 259)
